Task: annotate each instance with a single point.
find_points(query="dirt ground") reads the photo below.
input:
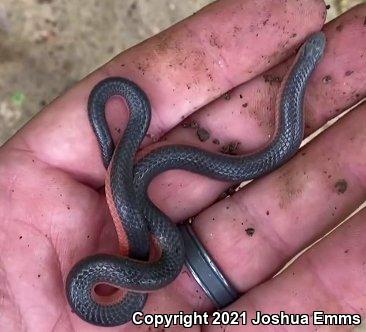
(47, 45)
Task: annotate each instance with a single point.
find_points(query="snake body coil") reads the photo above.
(126, 187)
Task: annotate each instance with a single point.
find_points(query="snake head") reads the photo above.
(314, 46)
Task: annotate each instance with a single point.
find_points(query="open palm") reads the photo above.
(52, 205)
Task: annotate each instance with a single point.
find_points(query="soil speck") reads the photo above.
(348, 72)
(231, 148)
(327, 79)
(270, 78)
(339, 27)
(250, 231)
(228, 192)
(191, 124)
(341, 186)
(203, 134)
(227, 96)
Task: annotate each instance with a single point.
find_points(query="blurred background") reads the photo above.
(48, 45)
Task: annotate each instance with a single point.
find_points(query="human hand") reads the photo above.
(53, 213)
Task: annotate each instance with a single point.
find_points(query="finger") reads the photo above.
(181, 69)
(253, 233)
(245, 118)
(305, 198)
(330, 277)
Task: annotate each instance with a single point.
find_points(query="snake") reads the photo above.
(139, 223)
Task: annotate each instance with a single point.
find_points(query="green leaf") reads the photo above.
(18, 98)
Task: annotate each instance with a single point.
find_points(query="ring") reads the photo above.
(205, 271)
